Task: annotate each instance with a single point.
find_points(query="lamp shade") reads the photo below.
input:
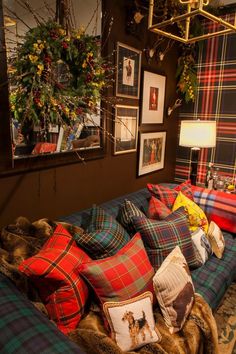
(197, 133)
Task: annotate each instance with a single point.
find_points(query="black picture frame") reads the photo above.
(128, 71)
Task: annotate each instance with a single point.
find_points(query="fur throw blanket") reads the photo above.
(198, 336)
(19, 241)
(24, 239)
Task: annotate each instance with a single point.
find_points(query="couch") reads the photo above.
(25, 329)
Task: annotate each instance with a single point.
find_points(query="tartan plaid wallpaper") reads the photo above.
(216, 100)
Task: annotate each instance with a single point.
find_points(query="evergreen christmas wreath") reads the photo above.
(58, 77)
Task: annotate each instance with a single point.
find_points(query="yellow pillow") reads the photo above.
(196, 215)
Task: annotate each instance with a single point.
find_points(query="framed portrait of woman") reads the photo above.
(151, 152)
(128, 68)
(153, 98)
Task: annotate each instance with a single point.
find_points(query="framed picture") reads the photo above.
(152, 152)
(126, 129)
(128, 71)
(153, 98)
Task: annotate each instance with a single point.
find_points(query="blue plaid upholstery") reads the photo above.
(212, 279)
(140, 199)
(24, 330)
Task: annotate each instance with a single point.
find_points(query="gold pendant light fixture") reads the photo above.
(193, 8)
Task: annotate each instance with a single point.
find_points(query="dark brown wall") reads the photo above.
(63, 190)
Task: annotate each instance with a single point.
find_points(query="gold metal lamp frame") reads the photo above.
(194, 7)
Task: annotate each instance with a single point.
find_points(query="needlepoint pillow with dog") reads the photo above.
(132, 322)
(55, 273)
(174, 290)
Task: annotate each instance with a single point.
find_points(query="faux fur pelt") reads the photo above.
(198, 336)
(21, 240)
(18, 241)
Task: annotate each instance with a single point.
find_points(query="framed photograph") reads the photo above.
(128, 71)
(153, 98)
(152, 152)
(126, 129)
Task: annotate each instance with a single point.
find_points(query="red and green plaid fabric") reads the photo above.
(122, 276)
(126, 212)
(25, 330)
(157, 210)
(185, 188)
(104, 237)
(215, 100)
(161, 237)
(55, 273)
(168, 195)
(219, 207)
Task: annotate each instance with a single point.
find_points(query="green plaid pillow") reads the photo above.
(126, 212)
(161, 237)
(122, 276)
(104, 237)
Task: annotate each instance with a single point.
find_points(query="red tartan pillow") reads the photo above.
(120, 277)
(168, 195)
(185, 188)
(55, 273)
(157, 210)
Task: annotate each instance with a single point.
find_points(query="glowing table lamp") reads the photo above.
(197, 134)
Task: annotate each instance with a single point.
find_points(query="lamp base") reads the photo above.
(194, 165)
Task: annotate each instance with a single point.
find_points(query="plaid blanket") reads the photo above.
(219, 207)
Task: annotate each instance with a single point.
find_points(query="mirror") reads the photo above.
(54, 106)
